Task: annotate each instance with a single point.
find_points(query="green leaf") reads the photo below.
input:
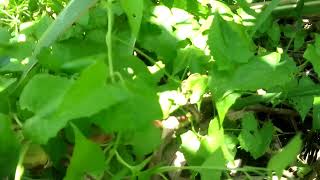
(229, 43)
(303, 104)
(224, 103)
(215, 160)
(299, 39)
(274, 33)
(134, 12)
(262, 17)
(9, 148)
(87, 159)
(255, 140)
(44, 93)
(312, 54)
(285, 157)
(140, 95)
(263, 72)
(76, 99)
(316, 113)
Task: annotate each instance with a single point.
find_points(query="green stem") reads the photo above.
(20, 168)
(109, 39)
(123, 162)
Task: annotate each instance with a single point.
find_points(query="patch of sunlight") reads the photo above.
(247, 19)
(261, 92)
(169, 125)
(279, 50)
(25, 61)
(272, 58)
(179, 159)
(169, 17)
(22, 38)
(26, 25)
(190, 142)
(171, 101)
(4, 3)
(157, 67)
(163, 16)
(130, 70)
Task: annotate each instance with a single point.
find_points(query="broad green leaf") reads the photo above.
(287, 156)
(134, 12)
(303, 104)
(312, 54)
(253, 139)
(84, 97)
(141, 95)
(229, 43)
(44, 93)
(215, 160)
(316, 113)
(87, 159)
(68, 57)
(9, 148)
(263, 72)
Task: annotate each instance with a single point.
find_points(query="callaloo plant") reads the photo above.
(165, 89)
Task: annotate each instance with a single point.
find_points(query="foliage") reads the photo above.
(103, 89)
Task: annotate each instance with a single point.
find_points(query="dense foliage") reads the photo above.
(167, 89)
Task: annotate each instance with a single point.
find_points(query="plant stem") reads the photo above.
(109, 39)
